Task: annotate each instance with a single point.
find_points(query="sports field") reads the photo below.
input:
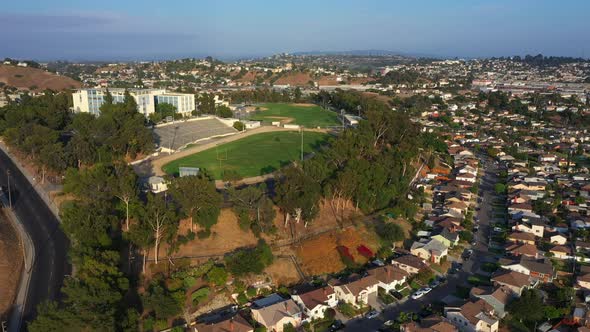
(252, 156)
(307, 115)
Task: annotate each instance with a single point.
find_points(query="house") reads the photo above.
(431, 251)
(432, 323)
(526, 249)
(446, 237)
(236, 323)
(409, 263)
(315, 303)
(389, 277)
(458, 208)
(516, 281)
(467, 177)
(521, 237)
(535, 269)
(561, 252)
(473, 316)
(356, 292)
(535, 228)
(558, 239)
(275, 316)
(583, 281)
(497, 297)
(157, 184)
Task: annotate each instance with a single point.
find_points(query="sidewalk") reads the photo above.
(43, 193)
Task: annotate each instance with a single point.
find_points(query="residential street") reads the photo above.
(471, 266)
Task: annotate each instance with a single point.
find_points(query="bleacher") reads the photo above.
(178, 134)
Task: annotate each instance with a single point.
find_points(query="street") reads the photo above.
(479, 256)
(50, 242)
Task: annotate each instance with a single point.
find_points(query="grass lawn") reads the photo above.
(253, 155)
(308, 116)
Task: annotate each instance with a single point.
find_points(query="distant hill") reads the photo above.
(35, 79)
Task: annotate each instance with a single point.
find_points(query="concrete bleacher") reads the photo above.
(177, 135)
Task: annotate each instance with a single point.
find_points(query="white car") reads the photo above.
(372, 314)
(417, 295)
(426, 290)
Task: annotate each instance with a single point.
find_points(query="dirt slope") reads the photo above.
(27, 78)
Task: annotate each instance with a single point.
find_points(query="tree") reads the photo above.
(500, 188)
(125, 187)
(252, 260)
(390, 233)
(253, 207)
(526, 308)
(160, 300)
(223, 112)
(161, 218)
(198, 198)
(297, 195)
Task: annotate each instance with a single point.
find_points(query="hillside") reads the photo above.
(35, 79)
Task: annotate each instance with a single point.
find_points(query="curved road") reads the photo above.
(50, 265)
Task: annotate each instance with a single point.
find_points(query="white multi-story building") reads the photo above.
(90, 100)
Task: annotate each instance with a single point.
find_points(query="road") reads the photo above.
(50, 242)
(480, 255)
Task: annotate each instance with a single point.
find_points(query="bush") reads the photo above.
(390, 233)
(200, 294)
(203, 234)
(251, 292)
(250, 260)
(217, 275)
(239, 126)
(345, 255)
(242, 298)
(189, 282)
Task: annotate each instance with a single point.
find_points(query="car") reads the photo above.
(497, 229)
(474, 242)
(467, 253)
(389, 323)
(426, 290)
(371, 314)
(337, 325)
(434, 284)
(417, 295)
(396, 294)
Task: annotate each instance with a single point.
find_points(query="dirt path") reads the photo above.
(157, 164)
(10, 265)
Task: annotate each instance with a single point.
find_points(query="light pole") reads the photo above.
(9, 193)
(302, 144)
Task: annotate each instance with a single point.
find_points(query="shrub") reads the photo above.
(366, 252)
(251, 292)
(217, 275)
(239, 126)
(242, 298)
(345, 255)
(203, 234)
(200, 294)
(189, 282)
(250, 260)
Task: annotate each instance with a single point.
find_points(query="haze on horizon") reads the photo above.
(134, 29)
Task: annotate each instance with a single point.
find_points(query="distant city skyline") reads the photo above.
(148, 30)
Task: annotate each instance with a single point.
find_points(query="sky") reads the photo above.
(150, 29)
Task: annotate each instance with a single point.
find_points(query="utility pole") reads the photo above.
(9, 192)
(4, 328)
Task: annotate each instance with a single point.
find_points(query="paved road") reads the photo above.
(50, 242)
(471, 266)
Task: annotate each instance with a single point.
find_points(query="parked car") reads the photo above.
(417, 295)
(497, 229)
(396, 294)
(467, 253)
(371, 314)
(434, 284)
(426, 290)
(337, 325)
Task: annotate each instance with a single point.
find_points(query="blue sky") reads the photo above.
(148, 29)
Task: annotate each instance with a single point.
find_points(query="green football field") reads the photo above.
(253, 155)
(308, 116)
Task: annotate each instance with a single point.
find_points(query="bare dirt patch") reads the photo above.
(27, 78)
(319, 255)
(226, 236)
(297, 79)
(10, 264)
(283, 271)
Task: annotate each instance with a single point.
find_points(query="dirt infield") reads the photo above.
(10, 264)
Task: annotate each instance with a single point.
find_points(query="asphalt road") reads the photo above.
(471, 266)
(50, 265)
